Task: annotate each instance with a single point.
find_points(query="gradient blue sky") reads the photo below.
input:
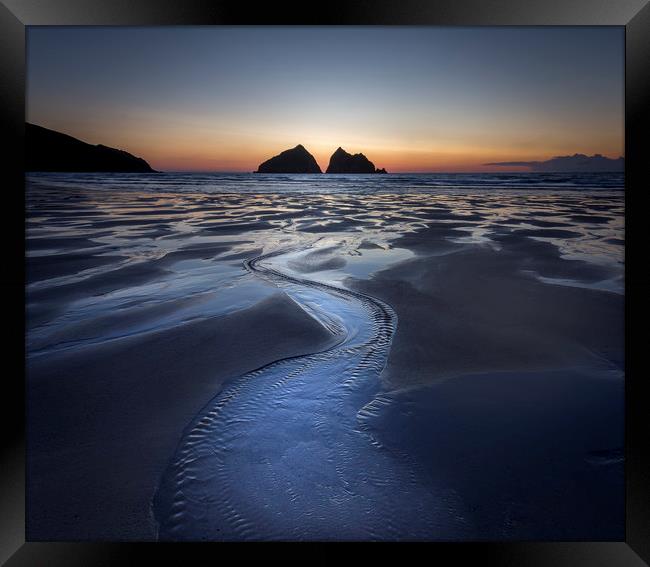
(410, 98)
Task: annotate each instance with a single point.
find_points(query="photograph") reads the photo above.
(325, 283)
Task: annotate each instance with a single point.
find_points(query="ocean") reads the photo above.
(320, 184)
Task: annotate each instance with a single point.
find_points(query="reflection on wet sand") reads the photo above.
(503, 300)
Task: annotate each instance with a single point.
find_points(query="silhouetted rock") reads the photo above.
(48, 150)
(295, 160)
(343, 162)
(382, 170)
(577, 163)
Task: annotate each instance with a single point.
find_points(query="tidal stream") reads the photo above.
(284, 452)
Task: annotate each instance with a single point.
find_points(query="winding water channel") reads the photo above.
(285, 452)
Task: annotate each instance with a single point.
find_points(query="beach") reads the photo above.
(257, 357)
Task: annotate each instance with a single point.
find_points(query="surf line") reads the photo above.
(270, 455)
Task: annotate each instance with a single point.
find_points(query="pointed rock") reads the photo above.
(295, 160)
(343, 162)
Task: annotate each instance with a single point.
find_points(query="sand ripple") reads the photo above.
(284, 452)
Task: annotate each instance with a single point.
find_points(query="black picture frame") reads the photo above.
(15, 15)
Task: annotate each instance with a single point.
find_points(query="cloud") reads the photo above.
(574, 163)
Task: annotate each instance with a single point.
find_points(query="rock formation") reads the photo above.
(48, 150)
(295, 160)
(343, 162)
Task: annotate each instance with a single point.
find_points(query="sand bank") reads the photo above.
(104, 420)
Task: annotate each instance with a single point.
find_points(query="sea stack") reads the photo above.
(48, 150)
(343, 162)
(295, 160)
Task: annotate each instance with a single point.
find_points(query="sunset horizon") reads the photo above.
(323, 158)
(224, 101)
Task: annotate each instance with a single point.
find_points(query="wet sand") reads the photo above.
(466, 308)
(103, 420)
(503, 381)
(531, 452)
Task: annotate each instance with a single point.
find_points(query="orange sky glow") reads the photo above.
(410, 99)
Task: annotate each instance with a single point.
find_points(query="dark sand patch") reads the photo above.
(369, 245)
(592, 219)
(61, 214)
(104, 420)
(178, 236)
(544, 224)
(127, 276)
(160, 212)
(41, 268)
(159, 232)
(544, 259)
(241, 255)
(119, 322)
(547, 233)
(434, 239)
(282, 215)
(471, 309)
(234, 228)
(533, 456)
(534, 213)
(46, 303)
(63, 242)
(444, 215)
(203, 252)
(115, 223)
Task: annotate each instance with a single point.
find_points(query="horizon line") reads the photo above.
(504, 164)
(247, 172)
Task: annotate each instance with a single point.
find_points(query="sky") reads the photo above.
(412, 99)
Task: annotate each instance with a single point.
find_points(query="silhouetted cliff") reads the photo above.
(47, 150)
(343, 162)
(295, 160)
(577, 163)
